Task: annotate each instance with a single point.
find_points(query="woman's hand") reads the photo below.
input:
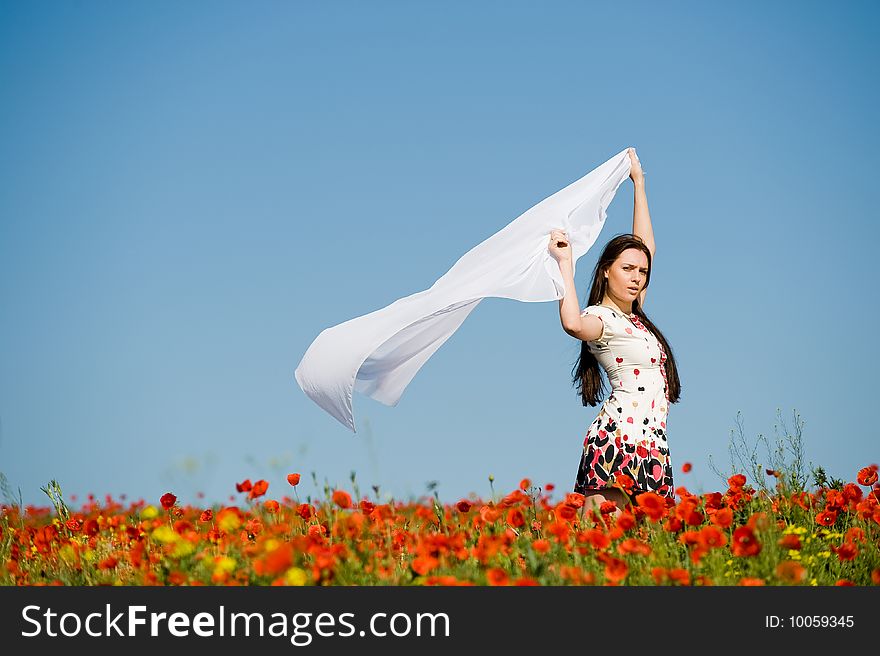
(560, 247)
(635, 169)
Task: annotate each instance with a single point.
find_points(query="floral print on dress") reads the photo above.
(629, 434)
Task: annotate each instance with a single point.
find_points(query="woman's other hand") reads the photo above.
(635, 169)
(560, 247)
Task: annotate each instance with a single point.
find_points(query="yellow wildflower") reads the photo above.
(68, 554)
(182, 548)
(228, 521)
(295, 576)
(224, 564)
(165, 534)
(150, 512)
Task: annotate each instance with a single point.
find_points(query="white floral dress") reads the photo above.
(629, 434)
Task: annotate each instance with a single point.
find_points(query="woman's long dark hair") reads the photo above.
(587, 371)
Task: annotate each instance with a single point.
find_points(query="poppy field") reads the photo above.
(739, 536)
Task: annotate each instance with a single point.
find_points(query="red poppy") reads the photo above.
(549, 487)
(626, 483)
(791, 571)
(244, 486)
(276, 561)
(207, 516)
(711, 536)
(672, 525)
(846, 551)
(515, 518)
(496, 576)
(293, 479)
(575, 499)
(867, 475)
(854, 534)
(168, 500)
(595, 537)
(747, 580)
(736, 481)
(463, 506)
(745, 543)
(271, 505)
(565, 512)
(342, 498)
(525, 484)
(653, 505)
(108, 563)
(489, 514)
(625, 521)
(423, 564)
(526, 581)
(686, 467)
(680, 576)
(259, 489)
(615, 568)
(723, 517)
(826, 518)
(758, 521)
(790, 541)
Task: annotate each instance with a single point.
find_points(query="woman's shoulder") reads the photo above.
(601, 311)
(609, 318)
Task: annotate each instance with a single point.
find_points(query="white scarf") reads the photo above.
(379, 353)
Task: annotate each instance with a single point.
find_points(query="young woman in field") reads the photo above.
(629, 434)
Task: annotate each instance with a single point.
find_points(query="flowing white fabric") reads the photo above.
(379, 353)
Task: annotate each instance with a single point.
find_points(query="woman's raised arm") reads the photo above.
(641, 218)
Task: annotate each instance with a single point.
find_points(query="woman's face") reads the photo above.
(626, 276)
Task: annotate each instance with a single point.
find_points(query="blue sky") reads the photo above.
(190, 193)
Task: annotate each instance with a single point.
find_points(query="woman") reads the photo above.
(628, 437)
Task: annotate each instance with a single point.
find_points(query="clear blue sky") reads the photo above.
(191, 192)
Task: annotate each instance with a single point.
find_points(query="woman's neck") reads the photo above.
(625, 308)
